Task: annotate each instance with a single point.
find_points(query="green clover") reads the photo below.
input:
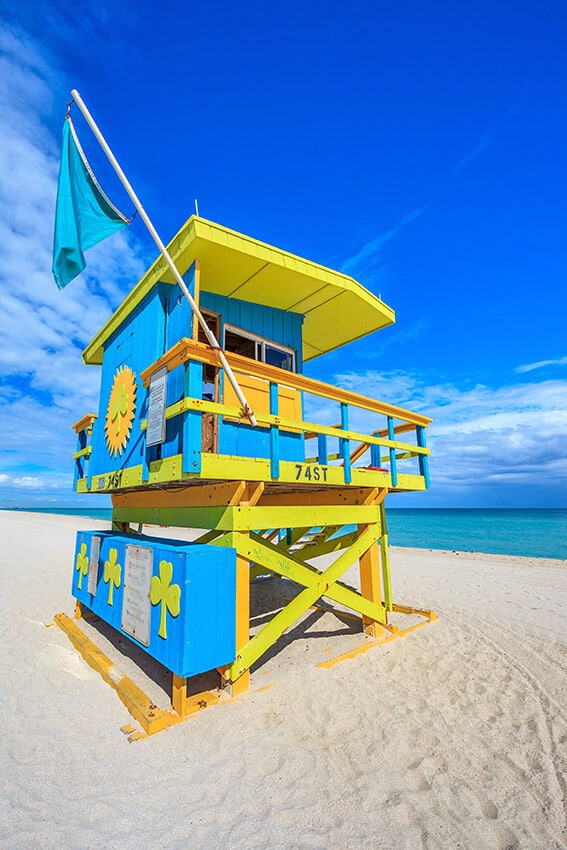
(119, 406)
(82, 564)
(112, 573)
(168, 594)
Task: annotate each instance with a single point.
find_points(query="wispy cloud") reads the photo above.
(484, 142)
(43, 383)
(482, 438)
(367, 261)
(541, 364)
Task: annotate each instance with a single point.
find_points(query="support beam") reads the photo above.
(370, 585)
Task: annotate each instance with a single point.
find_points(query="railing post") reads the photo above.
(375, 456)
(81, 444)
(393, 462)
(274, 433)
(192, 419)
(322, 450)
(344, 444)
(423, 459)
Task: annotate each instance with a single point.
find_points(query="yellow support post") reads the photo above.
(179, 695)
(242, 683)
(385, 560)
(370, 585)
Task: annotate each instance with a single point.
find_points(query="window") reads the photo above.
(257, 348)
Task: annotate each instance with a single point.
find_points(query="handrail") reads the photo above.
(188, 403)
(188, 349)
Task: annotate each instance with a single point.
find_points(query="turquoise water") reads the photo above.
(533, 533)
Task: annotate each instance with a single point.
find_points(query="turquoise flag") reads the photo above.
(83, 214)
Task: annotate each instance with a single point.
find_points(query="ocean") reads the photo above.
(531, 533)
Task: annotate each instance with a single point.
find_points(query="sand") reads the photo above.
(454, 736)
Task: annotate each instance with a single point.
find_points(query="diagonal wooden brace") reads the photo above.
(294, 568)
(316, 584)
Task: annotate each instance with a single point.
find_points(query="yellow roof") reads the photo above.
(337, 309)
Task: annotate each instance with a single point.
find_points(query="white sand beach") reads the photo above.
(454, 736)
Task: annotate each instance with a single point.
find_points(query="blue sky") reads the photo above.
(419, 147)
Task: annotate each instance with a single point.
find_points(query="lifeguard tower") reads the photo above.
(172, 446)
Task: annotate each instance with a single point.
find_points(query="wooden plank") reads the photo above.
(320, 585)
(187, 349)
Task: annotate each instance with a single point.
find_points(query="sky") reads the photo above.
(419, 147)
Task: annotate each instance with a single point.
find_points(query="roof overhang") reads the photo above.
(336, 308)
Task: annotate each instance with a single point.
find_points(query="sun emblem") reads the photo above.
(121, 409)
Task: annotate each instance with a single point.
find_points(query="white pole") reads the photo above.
(153, 233)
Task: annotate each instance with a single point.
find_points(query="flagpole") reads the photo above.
(165, 253)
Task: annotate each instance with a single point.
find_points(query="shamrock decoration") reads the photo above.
(112, 573)
(169, 595)
(82, 564)
(119, 407)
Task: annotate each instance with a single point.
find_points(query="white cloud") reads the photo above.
(366, 263)
(44, 386)
(481, 437)
(541, 364)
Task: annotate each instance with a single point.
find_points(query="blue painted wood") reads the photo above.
(344, 445)
(136, 343)
(423, 459)
(192, 419)
(201, 636)
(277, 325)
(179, 316)
(274, 433)
(393, 461)
(242, 440)
(322, 449)
(375, 459)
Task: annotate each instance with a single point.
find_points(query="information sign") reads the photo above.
(94, 557)
(155, 432)
(136, 600)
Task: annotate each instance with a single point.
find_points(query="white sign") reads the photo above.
(94, 557)
(155, 433)
(136, 600)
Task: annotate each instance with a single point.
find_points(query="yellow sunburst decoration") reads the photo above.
(121, 410)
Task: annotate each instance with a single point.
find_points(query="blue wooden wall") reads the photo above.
(137, 343)
(160, 320)
(199, 632)
(276, 325)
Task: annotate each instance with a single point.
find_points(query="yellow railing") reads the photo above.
(277, 398)
(187, 350)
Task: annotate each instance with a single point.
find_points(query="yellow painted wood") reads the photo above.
(299, 570)
(370, 585)
(257, 393)
(241, 682)
(263, 418)
(347, 495)
(136, 701)
(84, 423)
(227, 467)
(197, 298)
(83, 453)
(385, 558)
(296, 608)
(179, 695)
(359, 650)
(222, 494)
(246, 518)
(151, 718)
(325, 547)
(337, 309)
(187, 349)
